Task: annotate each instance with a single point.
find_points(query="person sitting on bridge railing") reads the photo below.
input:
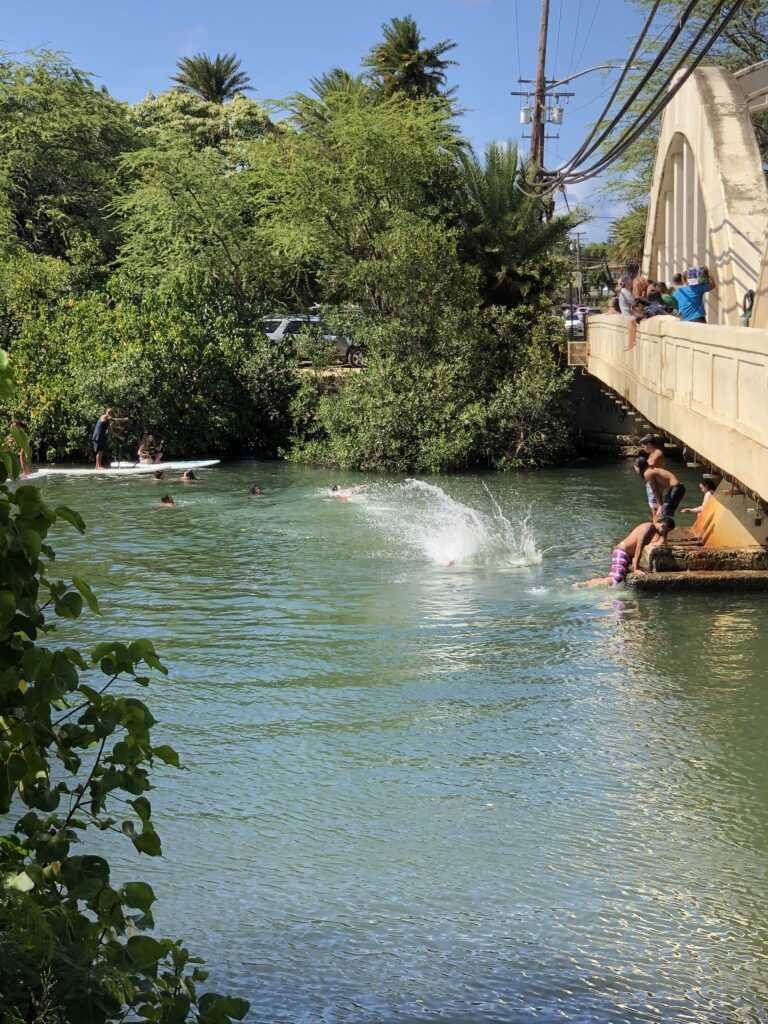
(626, 298)
(643, 309)
(690, 297)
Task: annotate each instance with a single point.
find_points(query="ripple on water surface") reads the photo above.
(428, 780)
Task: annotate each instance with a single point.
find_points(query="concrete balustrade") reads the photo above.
(704, 384)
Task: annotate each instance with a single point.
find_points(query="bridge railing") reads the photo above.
(706, 385)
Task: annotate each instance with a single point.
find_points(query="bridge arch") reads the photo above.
(708, 201)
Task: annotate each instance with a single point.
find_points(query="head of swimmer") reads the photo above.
(167, 500)
(255, 489)
(334, 488)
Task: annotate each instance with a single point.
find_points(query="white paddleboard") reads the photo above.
(30, 477)
(130, 468)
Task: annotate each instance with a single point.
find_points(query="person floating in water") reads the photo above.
(188, 477)
(255, 489)
(101, 431)
(159, 476)
(345, 493)
(167, 501)
(667, 489)
(628, 552)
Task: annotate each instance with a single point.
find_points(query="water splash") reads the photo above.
(445, 531)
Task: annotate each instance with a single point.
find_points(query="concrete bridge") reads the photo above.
(705, 385)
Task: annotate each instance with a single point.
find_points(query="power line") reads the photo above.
(575, 36)
(557, 39)
(517, 44)
(586, 37)
(661, 97)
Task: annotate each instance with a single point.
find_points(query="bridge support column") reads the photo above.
(731, 519)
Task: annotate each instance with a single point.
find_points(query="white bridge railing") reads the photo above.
(706, 385)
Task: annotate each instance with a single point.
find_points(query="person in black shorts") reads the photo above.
(667, 489)
(101, 432)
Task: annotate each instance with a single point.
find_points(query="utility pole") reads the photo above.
(539, 99)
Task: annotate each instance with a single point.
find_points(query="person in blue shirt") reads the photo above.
(690, 296)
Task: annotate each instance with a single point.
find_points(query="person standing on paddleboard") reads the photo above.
(100, 432)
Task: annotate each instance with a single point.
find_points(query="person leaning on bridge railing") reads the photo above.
(690, 296)
(644, 309)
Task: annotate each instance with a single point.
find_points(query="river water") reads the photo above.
(422, 791)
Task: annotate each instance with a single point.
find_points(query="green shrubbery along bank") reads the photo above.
(142, 246)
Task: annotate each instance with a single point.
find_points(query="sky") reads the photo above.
(132, 49)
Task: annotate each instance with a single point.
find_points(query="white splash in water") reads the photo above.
(448, 532)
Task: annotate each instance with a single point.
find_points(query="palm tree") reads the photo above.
(214, 80)
(335, 90)
(626, 237)
(400, 64)
(506, 230)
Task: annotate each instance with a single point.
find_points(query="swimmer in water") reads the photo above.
(159, 476)
(345, 493)
(632, 548)
(255, 489)
(188, 477)
(167, 501)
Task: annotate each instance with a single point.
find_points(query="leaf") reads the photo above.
(145, 951)
(69, 606)
(87, 593)
(167, 754)
(72, 517)
(138, 894)
(216, 1009)
(22, 882)
(148, 842)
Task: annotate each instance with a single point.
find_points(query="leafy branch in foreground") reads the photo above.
(76, 754)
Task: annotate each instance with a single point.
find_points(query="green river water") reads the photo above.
(420, 792)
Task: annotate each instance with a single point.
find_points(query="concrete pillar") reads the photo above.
(691, 188)
(679, 200)
(669, 229)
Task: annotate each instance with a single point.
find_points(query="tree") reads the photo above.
(61, 140)
(401, 64)
(626, 237)
(183, 118)
(215, 80)
(506, 233)
(76, 759)
(329, 193)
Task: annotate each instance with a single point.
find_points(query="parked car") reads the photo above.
(279, 327)
(574, 326)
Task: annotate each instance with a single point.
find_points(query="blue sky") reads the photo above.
(133, 48)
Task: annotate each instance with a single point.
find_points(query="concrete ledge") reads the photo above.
(690, 557)
(738, 581)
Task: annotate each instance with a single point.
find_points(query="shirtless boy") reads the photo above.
(631, 548)
(654, 453)
(667, 489)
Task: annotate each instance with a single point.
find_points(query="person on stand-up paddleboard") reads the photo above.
(100, 433)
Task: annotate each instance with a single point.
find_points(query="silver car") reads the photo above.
(278, 328)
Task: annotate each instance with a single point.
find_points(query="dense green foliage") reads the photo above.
(77, 758)
(205, 215)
